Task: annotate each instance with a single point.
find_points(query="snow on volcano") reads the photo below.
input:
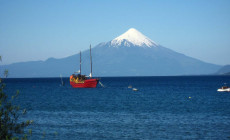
(133, 37)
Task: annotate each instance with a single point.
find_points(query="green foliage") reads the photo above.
(10, 127)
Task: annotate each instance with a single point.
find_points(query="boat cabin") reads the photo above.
(224, 87)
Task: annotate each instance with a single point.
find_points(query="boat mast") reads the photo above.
(80, 62)
(90, 62)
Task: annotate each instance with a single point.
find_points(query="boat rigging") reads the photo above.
(82, 81)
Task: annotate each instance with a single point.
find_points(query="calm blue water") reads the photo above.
(161, 109)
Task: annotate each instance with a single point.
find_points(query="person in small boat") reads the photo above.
(77, 78)
(71, 78)
(80, 78)
(224, 87)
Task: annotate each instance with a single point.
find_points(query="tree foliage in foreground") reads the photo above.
(10, 127)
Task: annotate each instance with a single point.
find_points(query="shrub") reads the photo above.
(10, 127)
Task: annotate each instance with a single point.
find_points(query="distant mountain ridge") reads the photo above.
(225, 70)
(131, 54)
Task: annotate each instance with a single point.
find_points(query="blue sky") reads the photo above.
(37, 30)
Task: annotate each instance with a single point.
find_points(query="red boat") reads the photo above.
(79, 83)
(82, 81)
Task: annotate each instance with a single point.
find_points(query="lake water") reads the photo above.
(177, 107)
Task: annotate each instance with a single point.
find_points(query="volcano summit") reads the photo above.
(133, 37)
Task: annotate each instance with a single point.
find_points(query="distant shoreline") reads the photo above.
(118, 76)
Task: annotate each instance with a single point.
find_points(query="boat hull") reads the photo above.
(88, 83)
(224, 90)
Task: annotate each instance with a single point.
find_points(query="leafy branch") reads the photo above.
(10, 127)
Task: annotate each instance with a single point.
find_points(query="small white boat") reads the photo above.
(224, 88)
(135, 89)
(129, 86)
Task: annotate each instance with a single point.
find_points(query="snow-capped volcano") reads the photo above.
(131, 54)
(133, 37)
